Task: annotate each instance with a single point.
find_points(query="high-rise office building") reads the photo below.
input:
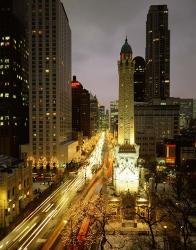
(154, 123)
(93, 114)
(186, 109)
(139, 78)
(101, 118)
(194, 108)
(114, 117)
(80, 109)
(157, 53)
(50, 76)
(13, 77)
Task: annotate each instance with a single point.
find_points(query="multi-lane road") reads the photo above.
(35, 228)
(89, 195)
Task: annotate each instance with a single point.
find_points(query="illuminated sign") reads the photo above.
(170, 154)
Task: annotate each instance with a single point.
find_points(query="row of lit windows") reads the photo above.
(5, 38)
(5, 60)
(7, 95)
(4, 66)
(2, 123)
(4, 44)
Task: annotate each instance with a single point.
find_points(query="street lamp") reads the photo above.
(165, 237)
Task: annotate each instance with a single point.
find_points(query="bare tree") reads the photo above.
(178, 206)
(99, 219)
(178, 213)
(151, 220)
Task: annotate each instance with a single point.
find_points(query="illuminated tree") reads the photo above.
(32, 159)
(42, 161)
(54, 162)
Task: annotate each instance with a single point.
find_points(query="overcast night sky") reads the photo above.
(99, 28)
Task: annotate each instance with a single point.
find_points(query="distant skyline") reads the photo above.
(99, 29)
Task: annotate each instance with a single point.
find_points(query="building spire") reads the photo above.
(126, 40)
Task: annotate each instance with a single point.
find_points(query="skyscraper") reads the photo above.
(157, 53)
(50, 76)
(101, 117)
(13, 77)
(80, 109)
(93, 115)
(114, 117)
(139, 78)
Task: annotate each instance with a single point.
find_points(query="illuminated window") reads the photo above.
(1, 123)
(47, 70)
(14, 96)
(6, 95)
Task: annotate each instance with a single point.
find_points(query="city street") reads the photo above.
(89, 194)
(47, 215)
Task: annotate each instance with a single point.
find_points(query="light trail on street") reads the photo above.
(90, 194)
(38, 223)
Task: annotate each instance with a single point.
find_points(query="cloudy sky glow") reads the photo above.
(98, 32)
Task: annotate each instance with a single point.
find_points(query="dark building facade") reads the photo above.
(93, 115)
(157, 53)
(13, 77)
(114, 118)
(139, 79)
(80, 109)
(181, 150)
(154, 123)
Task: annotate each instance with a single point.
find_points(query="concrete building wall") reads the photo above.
(50, 91)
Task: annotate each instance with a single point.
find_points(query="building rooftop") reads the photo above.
(8, 163)
(75, 84)
(126, 48)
